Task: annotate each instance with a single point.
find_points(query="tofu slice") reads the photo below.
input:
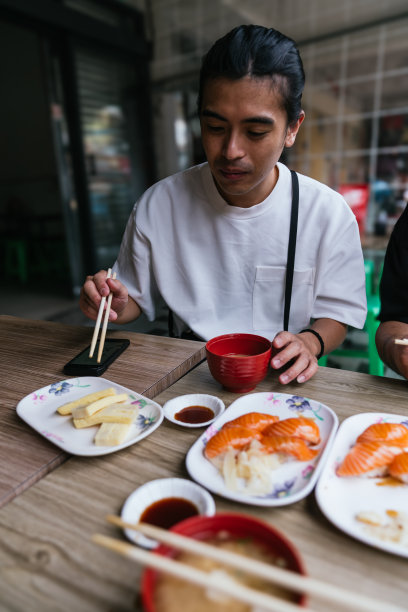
(117, 413)
(86, 411)
(112, 434)
(85, 400)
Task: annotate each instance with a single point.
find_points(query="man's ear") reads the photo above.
(293, 130)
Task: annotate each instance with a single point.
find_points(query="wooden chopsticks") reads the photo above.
(284, 578)
(208, 581)
(105, 322)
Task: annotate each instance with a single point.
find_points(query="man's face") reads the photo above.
(244, 130)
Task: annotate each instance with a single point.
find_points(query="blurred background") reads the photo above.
(99, 101)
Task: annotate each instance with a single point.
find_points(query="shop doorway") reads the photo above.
(75, 153)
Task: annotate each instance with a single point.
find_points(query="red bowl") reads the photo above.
(239, 361)
(235, 526)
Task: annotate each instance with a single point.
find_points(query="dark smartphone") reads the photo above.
(82, 365)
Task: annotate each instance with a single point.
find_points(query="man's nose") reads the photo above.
(232, 146)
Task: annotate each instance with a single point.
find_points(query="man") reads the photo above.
(212, 241)
(394, 300)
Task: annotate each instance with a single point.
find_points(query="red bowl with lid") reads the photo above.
(239, 361)
(234, 527)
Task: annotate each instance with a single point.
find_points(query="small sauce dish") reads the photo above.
(164, 503)
(193, 410)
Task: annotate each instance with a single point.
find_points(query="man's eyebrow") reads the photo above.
(261, 119)
(214, 115)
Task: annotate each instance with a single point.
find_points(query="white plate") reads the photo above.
(341, 499)
(39, 410)
(290, 481)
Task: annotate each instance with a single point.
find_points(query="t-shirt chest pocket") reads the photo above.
(269, 298)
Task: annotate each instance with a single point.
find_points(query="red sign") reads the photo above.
(357, 197)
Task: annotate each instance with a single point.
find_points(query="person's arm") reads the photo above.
(123, 307)
(301, 349)
(394, 355)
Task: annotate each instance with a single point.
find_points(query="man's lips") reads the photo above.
(232, 172)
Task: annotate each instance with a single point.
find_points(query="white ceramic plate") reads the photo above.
(290, 481)
(176, 404)
(341, 499)
(39, 410)
(162, 488)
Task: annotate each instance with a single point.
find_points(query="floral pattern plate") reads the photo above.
(291, 481)
(39, 410)
(341, 499)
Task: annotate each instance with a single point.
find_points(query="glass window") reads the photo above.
(393, 130)
(356, 133)
(354, 169)
(359, 96)
(394, 92)
(396, 47)
(362, 52)
(107, 105)
(323, 66)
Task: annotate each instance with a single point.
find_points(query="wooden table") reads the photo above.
(32, 355)
(48, 562)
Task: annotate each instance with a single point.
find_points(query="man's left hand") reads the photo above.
(298, 350)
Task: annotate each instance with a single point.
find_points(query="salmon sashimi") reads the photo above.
(288, 445)
(253, 420)
(300, 427)
(395, 433)
(368, 459)
(227, 438)
(398, 467)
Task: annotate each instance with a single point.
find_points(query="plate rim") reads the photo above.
(320, 493)
(259, 501)
(96, 451)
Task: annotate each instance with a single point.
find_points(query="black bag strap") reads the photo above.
(170, 323)
(291, 248)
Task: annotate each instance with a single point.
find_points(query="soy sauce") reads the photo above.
(168, 511)
(194, 414)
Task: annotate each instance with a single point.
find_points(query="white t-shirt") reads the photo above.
(221, 268)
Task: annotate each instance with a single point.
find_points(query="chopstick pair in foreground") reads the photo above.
(105, 322)
(287, 579)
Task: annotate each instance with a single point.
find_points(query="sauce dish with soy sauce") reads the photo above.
(193, 410)
(164, 503)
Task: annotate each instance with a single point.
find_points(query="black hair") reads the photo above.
(256, 51)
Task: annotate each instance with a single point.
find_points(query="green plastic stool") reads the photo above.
(369, 276)
(15, 260)
(375, 365)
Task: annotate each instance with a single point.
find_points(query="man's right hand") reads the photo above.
(98, 286)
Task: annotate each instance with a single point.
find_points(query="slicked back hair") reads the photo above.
(256, 51)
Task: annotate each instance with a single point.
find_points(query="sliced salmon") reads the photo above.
(368, 459)
(398, 467)
(386, 432)
(229, 437)
(288, 445)
(300, 427)
(253, 420)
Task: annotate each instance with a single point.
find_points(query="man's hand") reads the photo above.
(300, 350)
(98, 286)
(394, 355)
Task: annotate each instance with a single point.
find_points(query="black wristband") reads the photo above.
(318, 336)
